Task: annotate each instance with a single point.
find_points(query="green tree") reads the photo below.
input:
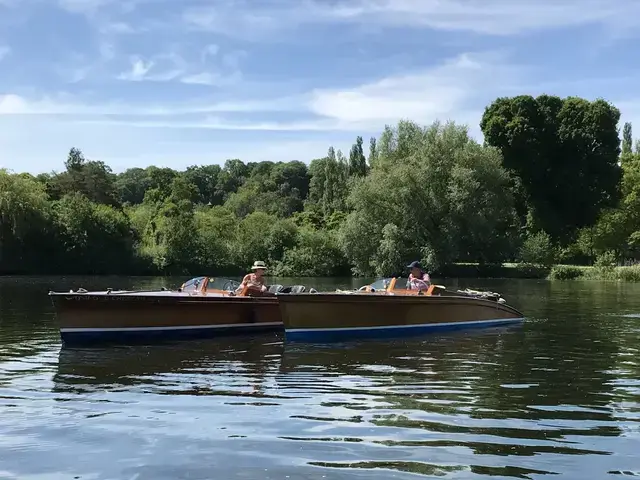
(357, 160)
(26, 239)
(336, 173)
(94, 238)
(433, 194)
(373, 152)
(93, 179)
(565, 153)
(131, 185)
(205, 179)
(627, 139)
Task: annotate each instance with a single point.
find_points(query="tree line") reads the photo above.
(552, 183)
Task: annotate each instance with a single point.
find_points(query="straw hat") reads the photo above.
(258, 264)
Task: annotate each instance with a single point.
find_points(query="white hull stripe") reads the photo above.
(417, 325)
(176, 327)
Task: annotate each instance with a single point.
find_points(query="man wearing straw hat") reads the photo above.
(254, 280)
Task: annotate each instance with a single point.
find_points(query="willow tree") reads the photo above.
(433, 194)
(25, 216)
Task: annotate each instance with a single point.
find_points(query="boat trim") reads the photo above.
(377, 331)
(176, 327)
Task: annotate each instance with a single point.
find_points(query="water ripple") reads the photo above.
(545, 399)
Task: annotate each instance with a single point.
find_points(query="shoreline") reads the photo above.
(523, 271)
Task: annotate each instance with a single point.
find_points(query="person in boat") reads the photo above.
(255, 279)
(418, 278)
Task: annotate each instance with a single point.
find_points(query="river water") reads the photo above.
(559, 395)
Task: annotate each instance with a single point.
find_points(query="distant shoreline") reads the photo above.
(457, 270)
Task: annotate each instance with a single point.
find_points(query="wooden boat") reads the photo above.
(206, 306)
(201, 307)
(382, 309)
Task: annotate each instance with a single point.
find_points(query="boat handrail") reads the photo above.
(108, 291)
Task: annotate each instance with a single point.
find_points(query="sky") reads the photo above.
(190, 82)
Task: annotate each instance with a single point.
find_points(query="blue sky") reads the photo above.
(182, 82)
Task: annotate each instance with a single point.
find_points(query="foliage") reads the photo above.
(546, 187)
(565, 152)
(566, 272)
(538, 249)
(433, 194)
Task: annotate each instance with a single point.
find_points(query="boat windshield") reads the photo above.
(193, 284)
(222, 284)
(383, 283)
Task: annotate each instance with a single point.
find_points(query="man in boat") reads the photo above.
(418, 278)
(255, 279)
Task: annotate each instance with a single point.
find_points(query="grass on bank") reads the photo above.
(610, 273)
(601, 271)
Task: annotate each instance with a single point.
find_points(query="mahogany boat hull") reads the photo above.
(334, 317)
(129, 316)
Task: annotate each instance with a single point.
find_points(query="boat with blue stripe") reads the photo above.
(201, 307)
(381, 310)
(209, 307)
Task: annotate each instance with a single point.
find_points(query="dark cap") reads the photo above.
(415, 264)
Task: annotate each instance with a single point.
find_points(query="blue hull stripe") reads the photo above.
(337, 334)
(93, 335)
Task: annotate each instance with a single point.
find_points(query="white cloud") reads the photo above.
(495, 17)
(211, 79)
(141, 69)
(83, 6)
(172, 66)
(143, 147)
(217, 123)
(4, 52)
(62, 105)
(457, 89)
(138, 71)
(117, 28)
(448, 91)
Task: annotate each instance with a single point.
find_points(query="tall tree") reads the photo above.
(434, 194)
(357, 160)
(565, 153)
(627, 139)
(373, 152)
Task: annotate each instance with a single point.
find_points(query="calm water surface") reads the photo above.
(557, 396)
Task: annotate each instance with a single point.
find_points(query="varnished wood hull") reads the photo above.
(122, 317)
(334, 317)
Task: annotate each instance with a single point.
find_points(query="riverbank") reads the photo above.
(557, 272)
(572, 272)
(457, 270)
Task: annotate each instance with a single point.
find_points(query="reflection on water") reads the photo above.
(559, 395)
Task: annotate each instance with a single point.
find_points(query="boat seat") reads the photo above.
(275, 288)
